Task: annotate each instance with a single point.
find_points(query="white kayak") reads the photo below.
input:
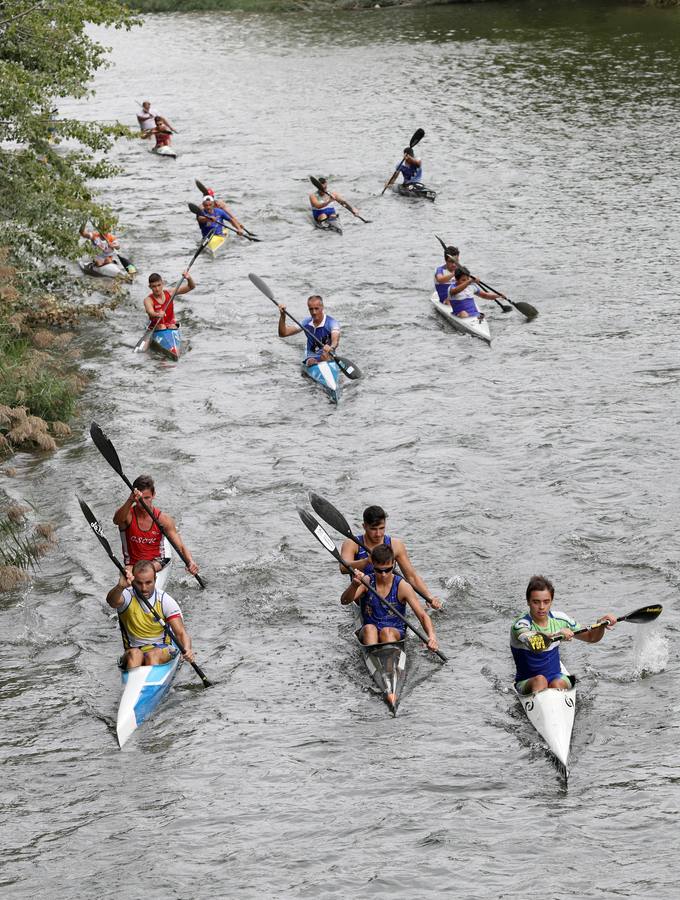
(145, 686)
(108, 270)
(477, 327)
(164, 151)
(551, 712)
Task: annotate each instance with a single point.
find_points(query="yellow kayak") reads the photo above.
(215, 243)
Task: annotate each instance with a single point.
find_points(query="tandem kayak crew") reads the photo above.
(145, 640)
(214, 217)
(462, 292)
(159, 305)
(374, 522)
(380, 624)
(445, 274)
(541, 669)
(325, 328)
(140, 536)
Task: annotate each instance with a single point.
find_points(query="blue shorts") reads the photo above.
(521, 685)
(326, 211)
(391, 622)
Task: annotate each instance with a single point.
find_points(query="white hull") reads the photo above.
(109, 270)
(551, 712)
(145, 686)
(164, 151)
(473, 326)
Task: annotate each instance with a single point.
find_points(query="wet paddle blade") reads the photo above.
(416, 137)
(526, 309)
(319, 532)
(97, 529)
(106, 448)
(348, 368)
(261, 286)
(202, 188)
(643, 615)
(330, 515)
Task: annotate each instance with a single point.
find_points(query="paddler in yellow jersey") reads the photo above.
(146, 642)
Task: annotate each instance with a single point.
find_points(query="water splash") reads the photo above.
(651, 651)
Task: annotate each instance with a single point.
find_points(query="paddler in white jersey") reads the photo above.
(145, 641)
(462, 292)
(322, 202)
(374, 521)
(541, 669)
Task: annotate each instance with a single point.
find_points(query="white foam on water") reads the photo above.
(651, 650)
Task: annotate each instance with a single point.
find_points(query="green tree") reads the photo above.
(46, 54)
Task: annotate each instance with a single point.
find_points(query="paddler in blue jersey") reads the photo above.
(462, 292)
(380, 625)
(541, 669)
(322, 202)
(445, 274)
(325, 328)
(145, 641)
(211, 222)
(410, 168)
(374, 522)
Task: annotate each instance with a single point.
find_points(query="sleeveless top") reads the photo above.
(138, 626)
(138, 544)
(412, 174)
(442, 288)
(168, 319)
(373, 610)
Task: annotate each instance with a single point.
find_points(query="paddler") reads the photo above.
(159, 307)
(214, 216)
(162, 130)
(541, 669)
(462, 292)
(321, 201)
(325, 328)
(445, 274)
(411, 168)
(146, 117)
(374, 522)
(140, 536)
(221, 204)
(145, 641)
(104, 242)
(380, 625)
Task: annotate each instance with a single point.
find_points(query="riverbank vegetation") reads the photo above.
(47, 162)
(22, 544)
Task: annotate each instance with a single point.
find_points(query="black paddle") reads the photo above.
(322, 190)
(324, 539)
(206, 193)
(144, 342)
(416, 138)
(345, 365)
(638, 617)
(336, 520)
(97, 528)
(197, 211)
(108, 451)
(506, 309)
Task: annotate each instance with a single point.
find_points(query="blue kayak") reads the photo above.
(167, 341)
(326, 374)
(143, 690)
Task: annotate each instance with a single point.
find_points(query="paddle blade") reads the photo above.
(416, 137)
(261, 285)
(106, 448)
(316, 183)
(331, 515)
(97, 528)
(144, 342)
(348, 368)
(318, 531)
(202, 188)
(196, 210)
(643, 615)
(526, 309)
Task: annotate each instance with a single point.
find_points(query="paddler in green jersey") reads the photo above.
(538, 669)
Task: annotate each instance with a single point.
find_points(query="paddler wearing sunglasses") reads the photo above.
(380, 625)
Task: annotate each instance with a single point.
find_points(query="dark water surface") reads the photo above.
(552, 140)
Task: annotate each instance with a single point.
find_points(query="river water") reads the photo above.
(551, 137)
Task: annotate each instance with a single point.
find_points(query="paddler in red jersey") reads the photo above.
(140, 535)
(159, 308)
(162, 131)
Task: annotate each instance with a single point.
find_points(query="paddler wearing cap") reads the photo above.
(321, 209)
(444, 275)
(216, 213)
